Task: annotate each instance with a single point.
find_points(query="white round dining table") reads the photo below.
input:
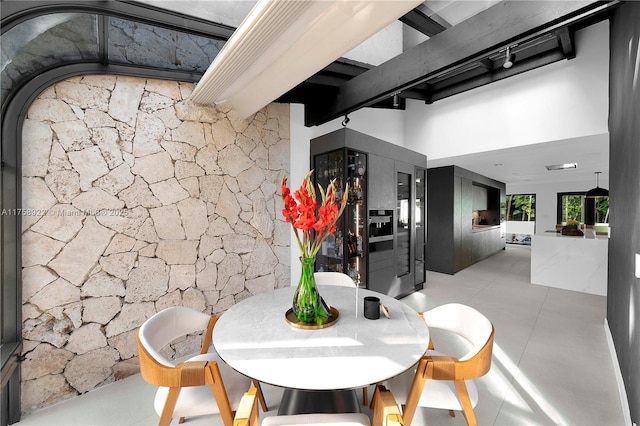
(254, 338)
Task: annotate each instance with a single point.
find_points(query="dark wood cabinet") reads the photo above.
(456, 234)
(388, 219)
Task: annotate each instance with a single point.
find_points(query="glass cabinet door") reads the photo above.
(403, 233)
(356, 217)
(346, 249)
(327, 167)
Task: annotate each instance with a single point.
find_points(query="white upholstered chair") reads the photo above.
(385, 413)
(342, 280)
(203, 384)
(333, 278)
(445, 382)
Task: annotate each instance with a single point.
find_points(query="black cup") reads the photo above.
(371, 307)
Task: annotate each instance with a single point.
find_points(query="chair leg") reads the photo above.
(181, 420)
(373, 397)
(452, 413)
(263, 402)
(217, 386)
(467, 409)
(169, 405)
(365, 396)
(419, 380)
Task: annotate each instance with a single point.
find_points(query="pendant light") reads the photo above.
(597, 191)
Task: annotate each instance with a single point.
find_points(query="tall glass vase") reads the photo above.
(307, 303)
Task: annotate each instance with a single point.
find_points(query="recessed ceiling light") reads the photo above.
(562, 166)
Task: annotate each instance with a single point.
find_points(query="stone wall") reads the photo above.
(136, 199)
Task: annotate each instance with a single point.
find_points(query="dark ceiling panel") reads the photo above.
(421, 22)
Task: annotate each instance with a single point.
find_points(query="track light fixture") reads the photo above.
(509, 58)
(396, 99)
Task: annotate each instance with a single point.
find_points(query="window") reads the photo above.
(574, 205)
(521, 218)
(602, 210)
(521, 207)
(571, 206)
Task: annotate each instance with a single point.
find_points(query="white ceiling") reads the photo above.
(527, 163)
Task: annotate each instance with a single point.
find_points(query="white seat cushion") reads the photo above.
(346, 419)
(199, 400)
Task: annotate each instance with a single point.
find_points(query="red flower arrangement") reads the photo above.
(300, 211)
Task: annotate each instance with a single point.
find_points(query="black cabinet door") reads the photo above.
(381, 189)
(421, 223)
(405, 229)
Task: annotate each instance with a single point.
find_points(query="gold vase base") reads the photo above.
(295, 322)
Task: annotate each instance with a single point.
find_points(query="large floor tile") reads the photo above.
(563, 390)
(125, 402)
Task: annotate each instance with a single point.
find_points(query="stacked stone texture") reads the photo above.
(136, 199)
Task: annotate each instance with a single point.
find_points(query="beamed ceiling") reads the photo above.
(454, 58)
(464, 48)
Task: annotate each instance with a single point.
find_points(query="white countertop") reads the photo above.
(254, 338)
(588, 235)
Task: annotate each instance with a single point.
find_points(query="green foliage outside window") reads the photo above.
(521, 207)
(602, 210)
(572, 207)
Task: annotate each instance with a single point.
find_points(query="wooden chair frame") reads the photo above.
(385, 411)
(191, 373)
(247, 414)
(450, 368)
(385, 408)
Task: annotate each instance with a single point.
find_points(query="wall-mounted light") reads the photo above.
(597, 191)
(396, 100)
(509, 58)
(282, 43)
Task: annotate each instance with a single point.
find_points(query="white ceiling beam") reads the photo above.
(281, 43)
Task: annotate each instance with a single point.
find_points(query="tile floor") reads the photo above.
(551, 361)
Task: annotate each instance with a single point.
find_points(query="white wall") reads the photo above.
(567, 99)
(387, 125)
(546, 197)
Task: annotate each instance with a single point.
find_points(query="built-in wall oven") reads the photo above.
(380, 230)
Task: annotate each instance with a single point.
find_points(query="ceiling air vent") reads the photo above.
(562, 166)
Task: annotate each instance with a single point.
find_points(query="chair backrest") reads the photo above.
(464, 321)
(167, 325)
(333, 278)
(386, 413)
(338, 419)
